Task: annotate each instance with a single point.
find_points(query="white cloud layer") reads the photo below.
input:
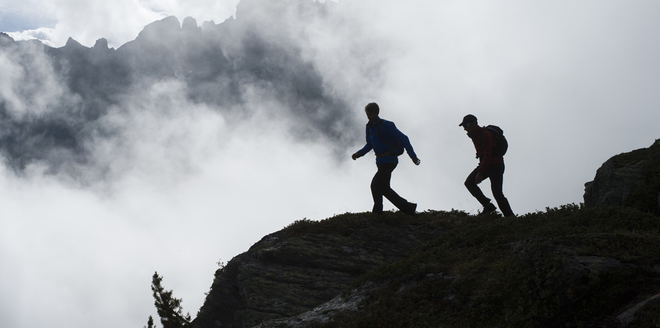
(572, 84)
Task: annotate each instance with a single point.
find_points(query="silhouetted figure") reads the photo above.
(491, 166)
(388, 143)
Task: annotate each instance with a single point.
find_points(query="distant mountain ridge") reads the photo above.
(54, 114)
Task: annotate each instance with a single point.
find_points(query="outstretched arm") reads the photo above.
(367, 147)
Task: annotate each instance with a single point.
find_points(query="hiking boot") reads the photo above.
(410, 210)
(490, 208)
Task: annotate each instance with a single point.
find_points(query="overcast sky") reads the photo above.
(572, 83)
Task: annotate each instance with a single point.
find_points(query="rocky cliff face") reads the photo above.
(567, 267)
(306, 265)
(591, 266)
(630, 179)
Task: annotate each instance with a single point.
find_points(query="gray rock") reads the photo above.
(612, 185)
(293, 277)
(324, 312)
(628, 316)
(625, 179)
(574, 276)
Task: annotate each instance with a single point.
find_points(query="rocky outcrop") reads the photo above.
(307, 265)
(592, 266)
(574, 266)
(628, 316)
(629, 179)
(325, 312)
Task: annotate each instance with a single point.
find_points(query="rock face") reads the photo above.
(629, 179)
(295, 270)
(571, 266)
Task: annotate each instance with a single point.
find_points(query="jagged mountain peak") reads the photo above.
(190, 25)
(160, 30)
(71, 43)
(215, 68)
(101, 44)
(5, 36)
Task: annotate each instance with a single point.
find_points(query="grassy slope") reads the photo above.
(513, 272)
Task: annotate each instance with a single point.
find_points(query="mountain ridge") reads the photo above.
(572, 266)
(232, 68)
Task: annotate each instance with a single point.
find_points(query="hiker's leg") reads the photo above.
(496, 175)
(392, 196)
(380, 187)
(474, 188)
(380, 183)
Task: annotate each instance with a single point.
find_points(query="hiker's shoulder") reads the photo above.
(486, 132)
(386, 123)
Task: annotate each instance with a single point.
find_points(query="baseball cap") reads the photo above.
(467, 119)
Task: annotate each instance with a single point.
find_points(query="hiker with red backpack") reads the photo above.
(388, 143)
(491, 146)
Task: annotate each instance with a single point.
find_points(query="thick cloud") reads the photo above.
(57, 103)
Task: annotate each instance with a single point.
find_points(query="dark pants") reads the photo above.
(495, 173)
(380, 186)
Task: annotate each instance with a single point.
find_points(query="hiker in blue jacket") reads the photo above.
(388, 143)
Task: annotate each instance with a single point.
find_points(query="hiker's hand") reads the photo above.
(479, 178)
(416, 160)
(355, 156)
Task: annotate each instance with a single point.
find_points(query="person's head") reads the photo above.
(372, 110)
(469, 123)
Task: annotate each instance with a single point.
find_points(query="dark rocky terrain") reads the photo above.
(573, 266)
(306, 265)
(630, 179)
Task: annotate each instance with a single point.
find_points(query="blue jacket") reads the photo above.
(391, 134)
